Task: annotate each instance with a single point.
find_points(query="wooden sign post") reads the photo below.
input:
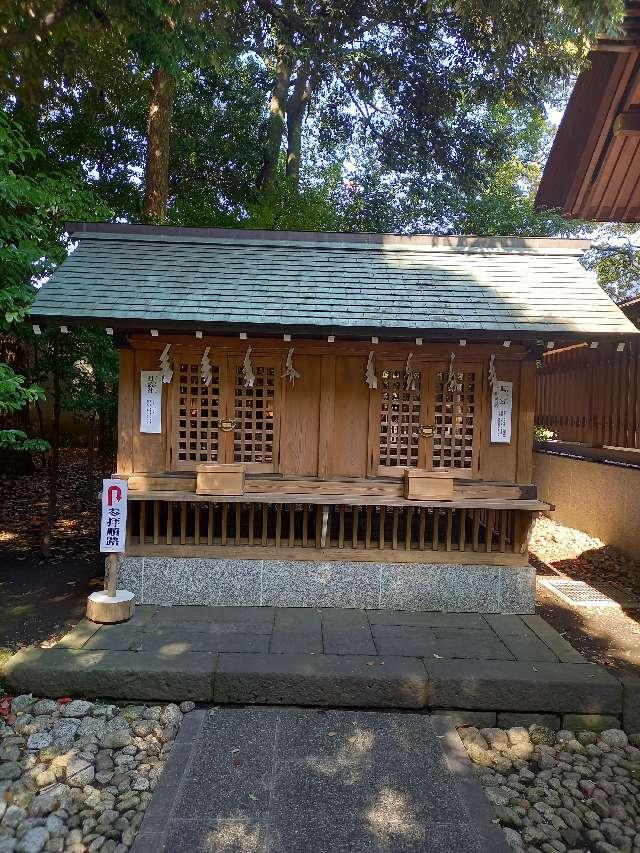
(112, 604)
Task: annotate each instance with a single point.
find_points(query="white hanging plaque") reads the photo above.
(150, 401)
(501, 411)
(113, 529)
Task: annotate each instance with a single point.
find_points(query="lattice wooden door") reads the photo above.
(224, 421)
(196, 414)
(453, 412)
(256, 414)
(397, 411)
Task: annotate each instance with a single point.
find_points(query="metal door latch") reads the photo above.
(426, 431)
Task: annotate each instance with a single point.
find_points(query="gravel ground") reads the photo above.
(77, 775)
(560, 792)
(583, 557)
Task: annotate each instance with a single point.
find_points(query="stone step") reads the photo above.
(364, 681)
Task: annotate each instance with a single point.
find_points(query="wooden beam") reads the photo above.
(361, 500)
(270, 552)
(627, 124)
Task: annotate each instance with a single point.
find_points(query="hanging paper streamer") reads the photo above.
(166, 365)
(205, 368)
(409, 378)
(492, 370)
(452, 383)
(247, 370)
(289, 370)
(370, 375)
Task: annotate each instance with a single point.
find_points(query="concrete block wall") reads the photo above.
(602, 500)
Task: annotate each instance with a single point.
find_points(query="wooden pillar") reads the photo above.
(125, 412)
(327, 414)
(525, 420)
(111, 574)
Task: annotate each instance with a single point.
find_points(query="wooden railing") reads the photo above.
(352, 532)
(591, 395)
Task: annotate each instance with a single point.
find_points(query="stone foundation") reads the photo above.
(282, 583)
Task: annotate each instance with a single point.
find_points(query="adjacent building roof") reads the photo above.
(130, 277)
(593, 169)
(631, 307)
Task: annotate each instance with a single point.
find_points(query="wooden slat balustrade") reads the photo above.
(327, 531)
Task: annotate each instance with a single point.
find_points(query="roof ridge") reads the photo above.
(330, 239)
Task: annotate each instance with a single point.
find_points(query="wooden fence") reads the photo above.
(591, 395)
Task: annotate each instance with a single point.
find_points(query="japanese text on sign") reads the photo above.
(501, 410)
(150, 400)
(113, 529)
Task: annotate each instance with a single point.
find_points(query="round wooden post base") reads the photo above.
(105, 608)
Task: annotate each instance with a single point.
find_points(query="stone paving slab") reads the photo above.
(328, 656)
(295, 781)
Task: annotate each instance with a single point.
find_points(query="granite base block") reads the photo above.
(516, 589)
(298, 583)
(333, 584)
(201, 581)
(439, 587)
(130, 576)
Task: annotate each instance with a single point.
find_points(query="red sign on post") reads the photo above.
(113, 530)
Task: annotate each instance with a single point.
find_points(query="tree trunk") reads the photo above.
(102, 432)
(276, 122)
(54, 467)
(158, 139)
(91, 437)
(297, 105)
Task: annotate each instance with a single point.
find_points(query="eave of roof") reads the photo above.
(593, 172)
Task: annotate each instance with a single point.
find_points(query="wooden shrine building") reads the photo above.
(328, 419)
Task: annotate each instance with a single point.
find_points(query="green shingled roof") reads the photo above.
(141, 276)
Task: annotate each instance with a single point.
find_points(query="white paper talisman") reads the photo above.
(501, 411)
(150, 401)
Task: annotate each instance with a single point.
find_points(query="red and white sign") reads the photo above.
(113, 530)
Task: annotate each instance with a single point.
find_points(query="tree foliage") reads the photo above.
(319, 115)
(615, 258)
(417, 82)
(33, 208)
